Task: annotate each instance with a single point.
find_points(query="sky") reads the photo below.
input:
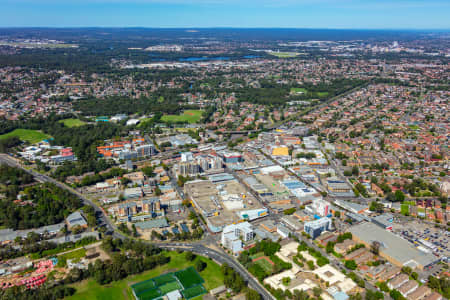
(351, 14)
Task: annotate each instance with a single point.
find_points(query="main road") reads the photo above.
(198, 248)
(221, 258)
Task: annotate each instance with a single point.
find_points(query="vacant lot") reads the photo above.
(190, 116)
(27, 135)
(75, 255)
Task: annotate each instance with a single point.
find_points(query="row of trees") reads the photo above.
(99, 177)
(36, 248)
(43, 293)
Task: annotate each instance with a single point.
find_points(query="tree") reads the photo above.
(124, 181)
(399, 196)
(356, 296)
(383, 286)
(317, 291)
(376, 207)
(351, 264)
(286, 280)
(158, 191)
(190, 256)
(355, 171)
(330, 247)
(374, 295)
(347, 173)
(361, 189)
(300, 295)
(133, 227)
(289, 211)
(252, 295)
(200, 265)
(396, 295)
(148, 171)
(77, 229)
(375, 247)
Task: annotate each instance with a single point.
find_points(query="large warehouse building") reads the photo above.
(393, 248)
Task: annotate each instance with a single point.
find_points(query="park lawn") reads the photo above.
(120, 290)
(72, 122)
(284, 54)
(190, 116)
(27, 135)
(298, 90)
(322, 94)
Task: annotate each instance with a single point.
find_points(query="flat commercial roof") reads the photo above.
(155, 223)
(392, 245)
(213, 205)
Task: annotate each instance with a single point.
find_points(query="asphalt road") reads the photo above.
(220, 258)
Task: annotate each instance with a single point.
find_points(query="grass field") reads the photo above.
(161, 285)
(322, 94)
(72, 122)
(163, 279)
(168, 287)
(298, 90)
(190, 116)
(120, 290)
(150, 294)
(27, 135)
(142, 286)
(189, 277)
(283, 54)
(265, 265)
(193, 292)
(404, 209)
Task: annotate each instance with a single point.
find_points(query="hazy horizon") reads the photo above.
(301, 14)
